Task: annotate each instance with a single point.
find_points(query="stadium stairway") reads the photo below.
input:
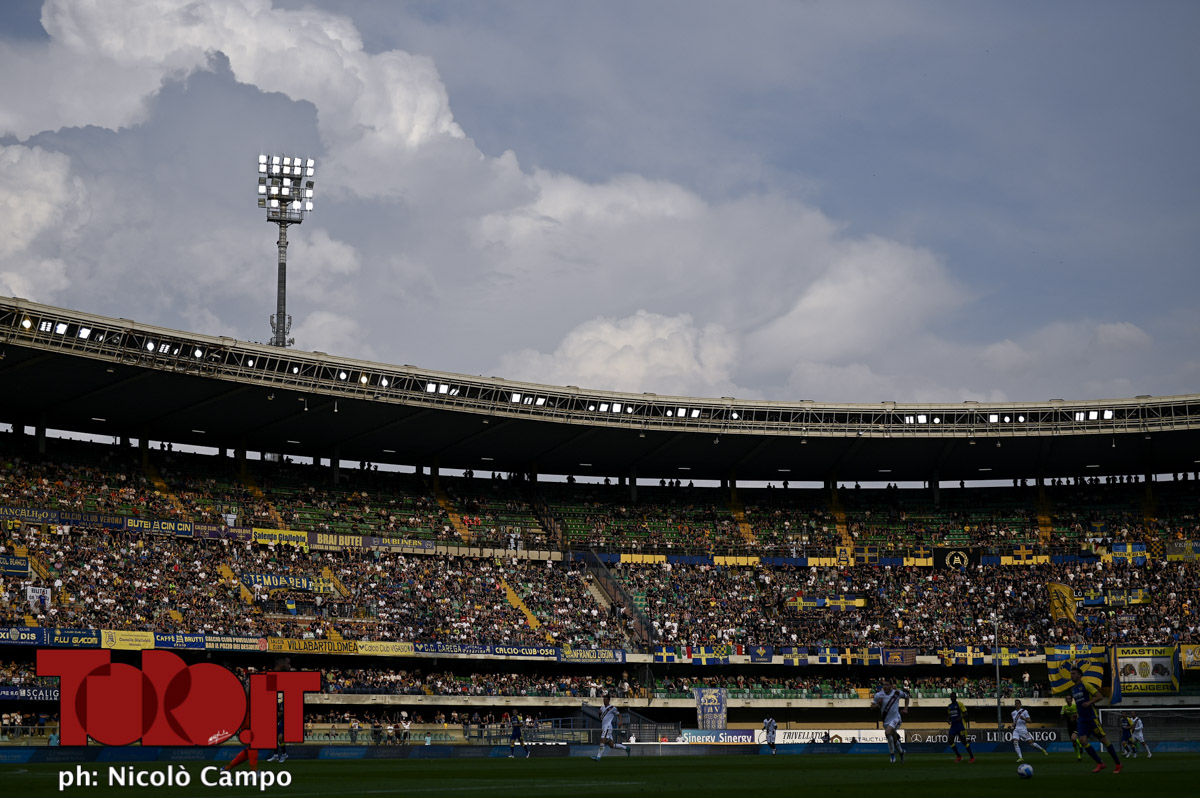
(739, 516)
(456, 521)
(227, 573)
(30, 620)
(258, 495)
(839, 517)
(516, 601)
(37, 567)
(328, 573)
(162, 487)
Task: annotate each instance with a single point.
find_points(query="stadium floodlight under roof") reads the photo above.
(285, 190)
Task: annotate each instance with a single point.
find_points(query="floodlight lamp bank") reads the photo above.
(285, 183)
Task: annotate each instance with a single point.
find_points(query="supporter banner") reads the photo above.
(284, 582)
(1090, 659)
(470, 649)
(14, 566)
(955, 558)
(591, 655)
(385, 649)
(235, 643)
(709, 655)
(762, 653)
(1126, 598)
(22, 636)
(866, 555)
(29, 515)
(899, 656)
(844, 556)
(711, 705)
(794, 655)
(1148, 669)
(1091, 597)
(828, 655)
(961, 655)
(179, 640)
(29, 693)
(282, 537)
(718, 736)
(395, 544)
(1007, 656)
(330, 541)
(544, 652)
(1129, 553)
(73, 638)
(126, 641)
(1062, 601)
(1177, 550)
(215, 532)
(159, 527)
(1189, 655)
(291, 645)
(37, 597)
(664, 654)
(105, 520)
(843, 603)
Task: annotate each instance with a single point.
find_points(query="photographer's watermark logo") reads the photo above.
(168, 702)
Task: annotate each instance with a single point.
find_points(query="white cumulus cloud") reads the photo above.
(669, 355)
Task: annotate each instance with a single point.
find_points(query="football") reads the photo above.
(1025, 771)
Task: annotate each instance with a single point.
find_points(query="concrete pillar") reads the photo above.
(239, 454)
(335, 464)
(435, 471)
(633, 484)
(144, 448)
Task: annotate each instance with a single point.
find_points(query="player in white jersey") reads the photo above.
(1020, 734)
(609, 715)
(769, 729)
(1139, 737)
(888, 701)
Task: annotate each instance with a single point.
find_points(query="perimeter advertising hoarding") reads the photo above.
(804, 736)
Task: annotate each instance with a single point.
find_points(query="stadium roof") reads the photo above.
(69, 370)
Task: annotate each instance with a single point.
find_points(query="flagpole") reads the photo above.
(996, 659)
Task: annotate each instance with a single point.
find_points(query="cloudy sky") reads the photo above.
(842, 201)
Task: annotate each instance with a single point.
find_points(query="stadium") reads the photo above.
(675, 547)
(451, 553)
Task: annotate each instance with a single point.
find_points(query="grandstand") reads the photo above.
(268, 504)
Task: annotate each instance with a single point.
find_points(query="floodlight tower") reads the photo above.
(285, 189)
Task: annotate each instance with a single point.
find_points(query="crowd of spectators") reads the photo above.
(384, 681)
(912, 606)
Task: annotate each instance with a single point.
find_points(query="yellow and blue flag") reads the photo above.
(794, 655)
(664, 654)
(710, 655)
(1091, 660)
(1062, 601)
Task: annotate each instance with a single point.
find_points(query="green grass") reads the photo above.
(927, 776)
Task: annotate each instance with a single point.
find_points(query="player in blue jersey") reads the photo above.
(514, 739)
(1126, 734)
(280, 754)
(958, 718)
(1086, 697)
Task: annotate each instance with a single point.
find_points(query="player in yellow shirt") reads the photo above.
(1070, 716)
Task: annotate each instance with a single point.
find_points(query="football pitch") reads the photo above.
(687, 777)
